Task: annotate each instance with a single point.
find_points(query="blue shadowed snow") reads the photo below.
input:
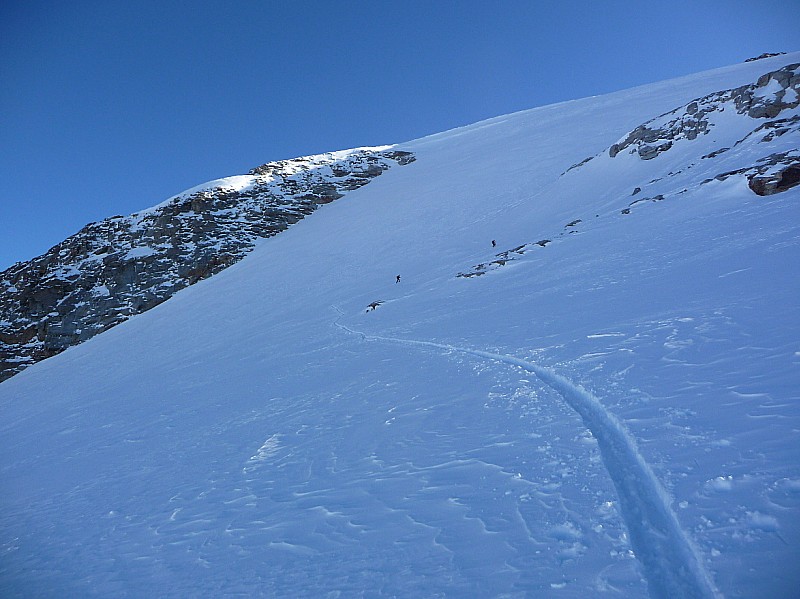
(611, 414)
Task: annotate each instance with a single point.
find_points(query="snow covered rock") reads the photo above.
(773, 93)
(122, 266)
(765, 55)
(777, 173)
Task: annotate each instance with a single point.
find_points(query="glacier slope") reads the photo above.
(235, 440)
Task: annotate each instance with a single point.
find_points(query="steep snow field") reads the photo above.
(613, 413)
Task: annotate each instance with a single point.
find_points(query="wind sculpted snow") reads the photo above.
(670, 561)
(613, 413)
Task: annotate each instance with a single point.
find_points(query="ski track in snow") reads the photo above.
(671, 563)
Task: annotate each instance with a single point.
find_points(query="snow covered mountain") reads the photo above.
(123, 266)
(584, 383)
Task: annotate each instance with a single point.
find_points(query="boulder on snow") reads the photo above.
(776, 182)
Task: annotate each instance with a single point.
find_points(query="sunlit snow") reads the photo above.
(613, 413)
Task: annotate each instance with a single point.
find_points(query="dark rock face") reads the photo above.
(766, 99)
(122, 266)
(765, 55)
(775, 180)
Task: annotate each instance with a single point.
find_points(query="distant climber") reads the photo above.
(373, 305)
(398, 279)
(494, 243)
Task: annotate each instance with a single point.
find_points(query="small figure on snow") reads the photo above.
(373, 305)
(494, 243)
(398, 280)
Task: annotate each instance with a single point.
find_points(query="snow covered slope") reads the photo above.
(612, 412)
(123, 266)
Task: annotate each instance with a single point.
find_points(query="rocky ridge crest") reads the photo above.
(122, 266)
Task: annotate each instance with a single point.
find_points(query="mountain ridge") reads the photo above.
(43, 302)
(613, 413)
(123, 266)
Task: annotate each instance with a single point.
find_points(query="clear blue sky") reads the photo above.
(108, 107)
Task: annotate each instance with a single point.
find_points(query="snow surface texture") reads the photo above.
(613, 413)
(669, 560)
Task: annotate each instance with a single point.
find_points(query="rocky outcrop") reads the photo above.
(777, 173)
(765, 55)
(122, 266)
(773, 93)
(756, 138)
